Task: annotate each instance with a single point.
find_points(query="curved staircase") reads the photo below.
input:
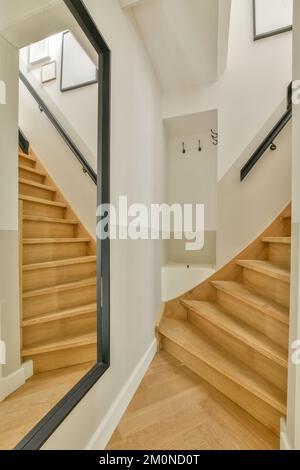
(58, 274)
(232, 330)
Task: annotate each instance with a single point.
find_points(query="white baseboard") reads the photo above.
(105, 430)
(284, 440)
(15, 380)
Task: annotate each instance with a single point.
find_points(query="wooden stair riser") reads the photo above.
(39, 253)
(38, 229)
(254, 405)
(29, 175)
(263, 284)
(41, 278)
(24, 161)
(44, 210)
(59, 329)
(33, 191)
(280, 254)
(58, 275)
(259, 363)
(52, 302)
(64, 358)
(236, 333)
(287, 228)
(263, 323)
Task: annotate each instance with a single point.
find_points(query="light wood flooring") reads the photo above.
(22, 410)
(174, 409)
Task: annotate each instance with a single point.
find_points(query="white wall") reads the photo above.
(248, 93)
(246, 208)
(59, 160)
(9, 239)
(177, 279)
(78, 107)
(192, 179)
(137, 169)
(290, 434)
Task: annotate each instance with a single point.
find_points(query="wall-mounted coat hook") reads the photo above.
(199, 146)
(215, 137)
(183, 148)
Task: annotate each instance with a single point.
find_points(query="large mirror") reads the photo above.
(52, 306)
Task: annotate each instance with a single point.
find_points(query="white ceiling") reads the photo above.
(23, 22)
(12, 11)
(181, 37)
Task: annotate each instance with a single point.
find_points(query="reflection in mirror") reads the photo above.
(48, 311)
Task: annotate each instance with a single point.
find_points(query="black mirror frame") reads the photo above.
(43, 430)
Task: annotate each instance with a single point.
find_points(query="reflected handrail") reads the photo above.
(72, 146)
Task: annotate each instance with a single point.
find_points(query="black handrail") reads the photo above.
(72, 146)
(23, 143)
(268, 142)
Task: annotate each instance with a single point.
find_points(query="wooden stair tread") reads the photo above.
(58, 275)
(32, 170)
(38, 218)
(58, 263)
(61, 344)
(60, 315)
(251, 298)
(28, 157)
(42, 201)
(37, 185)
(45, 241)
(267, 268)
(193, 341)
(60, 288)
(213, 313)
(279, 240)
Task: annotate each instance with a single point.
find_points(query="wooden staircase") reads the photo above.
(58, 274)
(232, 330)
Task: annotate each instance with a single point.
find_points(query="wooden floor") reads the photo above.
(174, 409)
(22, 410)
